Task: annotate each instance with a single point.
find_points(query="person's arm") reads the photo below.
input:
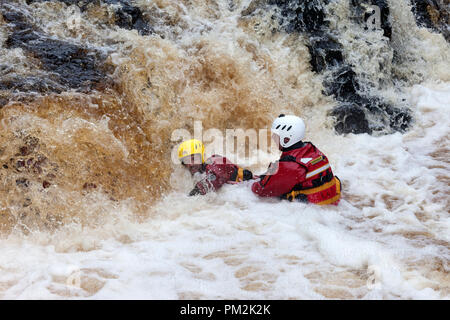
(279, 180)
(217, 174)
(209, 183)
(239, 174)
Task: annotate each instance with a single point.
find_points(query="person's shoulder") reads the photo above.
(308, 144)
(313, 149)
(216, 159)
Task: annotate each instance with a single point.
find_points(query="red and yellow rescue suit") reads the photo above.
(219, 170)
(303, 173)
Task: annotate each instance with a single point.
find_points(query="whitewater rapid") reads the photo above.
(388, 238)
(92, 207)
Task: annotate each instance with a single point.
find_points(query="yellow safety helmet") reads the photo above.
(190, 147)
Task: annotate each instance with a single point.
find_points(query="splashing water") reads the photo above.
(93, 207)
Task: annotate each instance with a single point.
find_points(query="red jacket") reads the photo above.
(302, 173)
(219, 170)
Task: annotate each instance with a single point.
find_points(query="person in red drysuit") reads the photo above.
(218, 170)
(302, 173)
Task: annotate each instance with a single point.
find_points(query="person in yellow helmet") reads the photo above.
(218, 170)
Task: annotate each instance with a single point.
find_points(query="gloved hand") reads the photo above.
(194, 192)
(247, 175)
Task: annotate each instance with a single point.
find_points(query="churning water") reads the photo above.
(91, 205)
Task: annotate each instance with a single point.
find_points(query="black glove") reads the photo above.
(194, 192)
(247, 175)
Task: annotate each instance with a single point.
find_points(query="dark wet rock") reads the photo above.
(302, 16)
(70, 65)
(350, 118)
(74, 66)
(432, 14)
(17, 83)
(365, 115)
(325, 52)
(16, 17)
(399, 118)
(357, 111)
(343, 84)
(131, 17)
(127, 15)
(422, 13)
(371, 113)
(81, 3)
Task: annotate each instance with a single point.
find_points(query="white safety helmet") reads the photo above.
(291, 129)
